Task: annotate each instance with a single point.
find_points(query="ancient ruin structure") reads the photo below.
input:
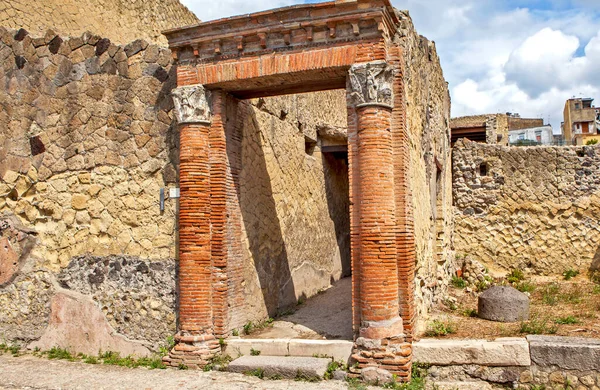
(351, 45)
(312, 148)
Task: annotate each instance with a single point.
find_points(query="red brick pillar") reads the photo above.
(196, 342)
(381, 349)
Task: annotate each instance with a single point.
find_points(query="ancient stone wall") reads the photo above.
(292, 202)
(86, 142)
(531, 208)
(88, 139)
(428, 120)
(121, 21)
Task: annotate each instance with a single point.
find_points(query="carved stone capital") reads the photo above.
(192, 104)
(371, 84)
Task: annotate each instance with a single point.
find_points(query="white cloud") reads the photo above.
(207, 10)
(524, 60)
(496, 58)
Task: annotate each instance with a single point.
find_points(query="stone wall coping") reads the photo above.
(501, 352)
(568, 353)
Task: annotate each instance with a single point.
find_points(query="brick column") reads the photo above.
(381, 348)
(196, 342)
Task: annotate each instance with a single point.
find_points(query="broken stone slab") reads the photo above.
(568, 353)
(291, 367)
(503, 304)
(502, 352)
(339, 350)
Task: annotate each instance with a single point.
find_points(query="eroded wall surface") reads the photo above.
(122, 21)
(86, 142)
(428, 120)
(88, 139)
(291, 204)
(532, 208)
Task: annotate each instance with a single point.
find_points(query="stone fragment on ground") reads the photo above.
(503, 304)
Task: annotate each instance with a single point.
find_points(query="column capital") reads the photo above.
(192, 104)
(371, 84)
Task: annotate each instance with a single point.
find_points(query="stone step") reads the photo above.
(339, 350)
(289, 367)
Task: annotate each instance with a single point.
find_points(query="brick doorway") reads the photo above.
(298, 49)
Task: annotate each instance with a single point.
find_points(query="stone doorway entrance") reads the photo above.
(345, 44)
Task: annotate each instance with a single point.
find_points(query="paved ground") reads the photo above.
(327, 315)
(28, 372)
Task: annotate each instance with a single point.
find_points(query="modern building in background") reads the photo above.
(533, 136)
(581, 121)
(491, 128)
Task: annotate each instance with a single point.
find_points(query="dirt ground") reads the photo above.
(327, 315)
(558, 307)
(28, 372)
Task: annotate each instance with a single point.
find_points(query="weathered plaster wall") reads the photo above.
(532, 208)
(292, 204)
(121, 21)
(428, 119)
(86, 142)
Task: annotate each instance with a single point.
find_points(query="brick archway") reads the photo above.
(345, 44)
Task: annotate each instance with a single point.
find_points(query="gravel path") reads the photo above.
(28, 372)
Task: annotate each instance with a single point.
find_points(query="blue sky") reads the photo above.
(525, 56)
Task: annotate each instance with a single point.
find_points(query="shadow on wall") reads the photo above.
(337, 187)
(259, 213)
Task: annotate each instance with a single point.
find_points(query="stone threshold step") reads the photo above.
(290, 367)
(339, 350)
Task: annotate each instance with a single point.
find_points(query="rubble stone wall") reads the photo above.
(532, 208)
(121, 21)
(428, 121)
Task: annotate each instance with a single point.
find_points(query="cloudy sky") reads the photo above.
(525, 56)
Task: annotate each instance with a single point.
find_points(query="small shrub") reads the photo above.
(182, 366)
(570, 274)
(90, 360)
(484, 284)
(591, 142)
(165, 348)
(301, 301)
(596, 290)
(458, 282)
(536, 326)
(259, 373)
(235, 332)
(254, 352)
(515, 276)
(470, 313)
(222, 342)
(59, 353)
(439, 328)
(566, 320)
(355, 384)
(248, 327)
(525, 287)
(550, 294)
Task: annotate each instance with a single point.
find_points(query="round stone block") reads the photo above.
(503, 304)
